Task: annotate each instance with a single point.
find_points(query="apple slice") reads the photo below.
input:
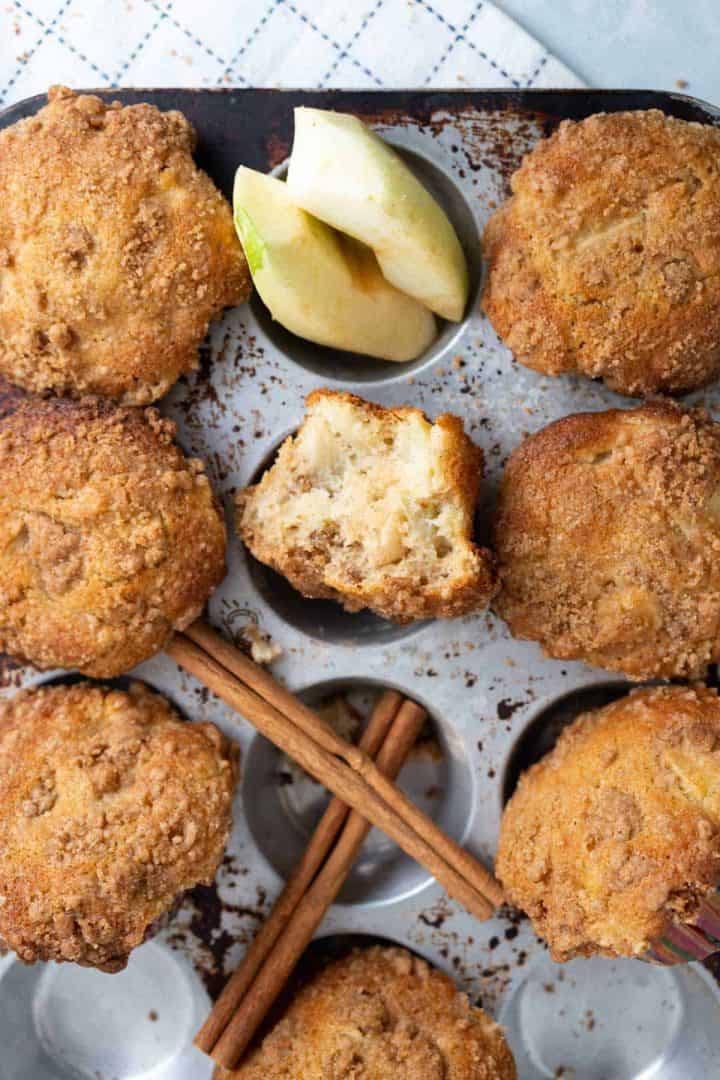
(326, 287)
(344, 174)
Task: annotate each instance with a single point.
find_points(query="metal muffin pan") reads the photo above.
(496, 704)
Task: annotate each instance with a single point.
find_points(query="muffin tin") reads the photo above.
(496, 704)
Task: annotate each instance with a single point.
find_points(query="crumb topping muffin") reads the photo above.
(110, 538)
(380, 1013)
(606, 259)
(373, 507)
(110, 807)
(615, 834)
(607, 534)
(115, 250)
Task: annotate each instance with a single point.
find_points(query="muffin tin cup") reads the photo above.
(496, 702)
(603, 1018)
(283, 804)
(62, 1020)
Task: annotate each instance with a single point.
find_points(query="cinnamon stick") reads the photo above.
(412, 830)
(300, 879)
(309, 913)
(263, 684)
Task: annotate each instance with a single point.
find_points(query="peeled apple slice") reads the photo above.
(344, 174)
(321, 285)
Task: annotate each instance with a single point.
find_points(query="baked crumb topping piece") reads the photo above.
(607, 533)
(615, 834)
(110, 808)
(381, 1012)
(110, 538)
(373, 507)
(115, 250)
(606, 259)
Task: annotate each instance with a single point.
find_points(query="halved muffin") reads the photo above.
(373, 507)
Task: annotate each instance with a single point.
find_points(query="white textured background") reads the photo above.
(266, 43)
(631, 43)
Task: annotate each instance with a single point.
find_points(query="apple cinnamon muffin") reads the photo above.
(613, 838)
(607, 534)
(606, 259)
(110, 808)
(378, 1013)
(373, 507)
(110, 538)
(115, 249)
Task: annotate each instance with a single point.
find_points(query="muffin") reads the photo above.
(373, 508)
(607, 534)
(115, 250)
(378, 1013)
(606, 259)
(612, 841)
(110, 538)
(110, 808)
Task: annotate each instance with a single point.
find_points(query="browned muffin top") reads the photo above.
(110, 806)
(606, 260)
(115, 249)
(381, 1013)
(110, 538)
(608, 539)
(615, 834)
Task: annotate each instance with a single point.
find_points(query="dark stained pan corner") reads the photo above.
(254, 127)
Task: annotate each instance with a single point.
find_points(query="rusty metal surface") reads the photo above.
(487, 694)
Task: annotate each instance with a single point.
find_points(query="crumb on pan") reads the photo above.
(606, 260)
(607, 534)
(110, 807)
(115, 249)
(263, 650)
(615, 834)
(110, 538)
(373, 507)
(381, 1012)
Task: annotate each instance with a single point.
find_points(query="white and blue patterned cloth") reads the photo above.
(284, 43)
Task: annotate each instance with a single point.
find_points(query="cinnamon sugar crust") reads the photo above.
(606, 259)
(115, 250)
(381, 1012)
(373, 507)
(110, 538)
(615, 835)
(607, 533)
(110, 807)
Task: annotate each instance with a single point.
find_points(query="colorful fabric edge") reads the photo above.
(686, 942)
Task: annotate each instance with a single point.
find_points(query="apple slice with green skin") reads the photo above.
(319, 284)
(344, 174)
